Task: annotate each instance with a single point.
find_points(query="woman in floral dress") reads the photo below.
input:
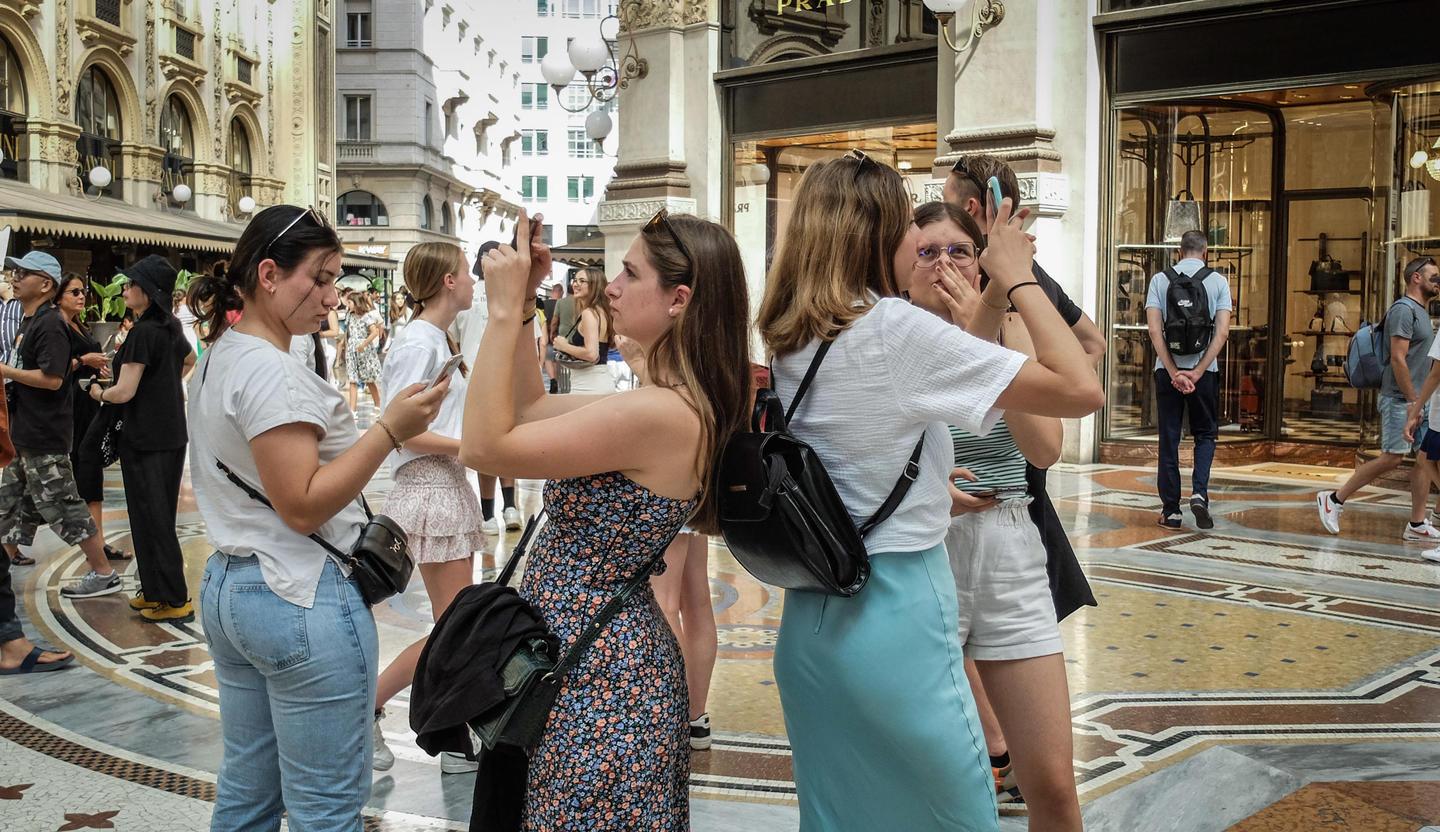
(615, 753)
(362, 352)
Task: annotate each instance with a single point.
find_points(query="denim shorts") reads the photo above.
(1392, 425)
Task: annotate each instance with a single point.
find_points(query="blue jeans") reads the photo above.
(1171, 407)
(297, 698)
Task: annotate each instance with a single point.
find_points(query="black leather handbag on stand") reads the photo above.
(779, 511)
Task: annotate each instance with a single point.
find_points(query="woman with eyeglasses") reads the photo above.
(147, 388)
(293, 642)
(624, 472)
(879, 716)
(90, 365)
(588, 340)
(1014, 655)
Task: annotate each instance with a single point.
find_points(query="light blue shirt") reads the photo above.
(1217, 287)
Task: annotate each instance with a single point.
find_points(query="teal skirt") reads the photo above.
(880, 717)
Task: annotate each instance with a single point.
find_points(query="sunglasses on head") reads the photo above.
(310, 212)
(861, 162)
(962, 167)
(662, 220)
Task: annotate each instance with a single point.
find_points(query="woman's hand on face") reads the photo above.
(960, 296)
(411, 412)
(1009, 252)
(508, 273)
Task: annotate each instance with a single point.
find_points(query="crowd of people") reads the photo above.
(920, 702)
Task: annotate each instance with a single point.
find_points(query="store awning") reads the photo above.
(582, 253)
(40, 212)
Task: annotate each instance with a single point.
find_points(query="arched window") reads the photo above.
(240, 164)
(445, 218)
(97, 111)
(178, 140)
(360, 208)
(14, 104)
(427, 213)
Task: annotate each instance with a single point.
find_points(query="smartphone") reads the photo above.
(995, 191)
(450, 366)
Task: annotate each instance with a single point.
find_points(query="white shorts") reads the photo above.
(1006, 611)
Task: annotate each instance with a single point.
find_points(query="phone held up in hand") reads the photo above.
(449, 367)
(995, 195)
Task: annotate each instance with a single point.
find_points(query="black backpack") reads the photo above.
(779, 511)
(1189, 324)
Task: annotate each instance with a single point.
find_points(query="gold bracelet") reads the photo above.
(390, 433)
(527, 321)
(1005, 308)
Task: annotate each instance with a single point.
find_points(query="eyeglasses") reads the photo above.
(579, 280)
(861, 160)
(75, 293)
(308, 212)
(962, 167)
(662, 220)
(961, 254)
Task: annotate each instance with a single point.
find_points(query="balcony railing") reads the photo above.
(108, 11)
(355, 150)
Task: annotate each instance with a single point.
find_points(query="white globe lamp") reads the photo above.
(557, 69)
(181, 194)
(589, 52)
(246, 204)
(100, 176)
(759, 174)
(598, 125)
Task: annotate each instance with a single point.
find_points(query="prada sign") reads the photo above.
(12, 145)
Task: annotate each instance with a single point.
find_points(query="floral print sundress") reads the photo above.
(616, 752)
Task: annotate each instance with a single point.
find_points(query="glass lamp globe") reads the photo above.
(944, 6)
(598, 125)
(181, 194)
(100, 176)
(1418, 159)
(589, 52)
(557, 69)
(246, 205)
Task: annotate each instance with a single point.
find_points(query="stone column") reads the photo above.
(669, 120)
(1028, 91)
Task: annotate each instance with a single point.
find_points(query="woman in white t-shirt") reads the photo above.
(294, 645)
(880, 719)
(432, 499)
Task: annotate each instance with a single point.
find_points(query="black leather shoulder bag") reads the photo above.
(779, 511)
(532, 675)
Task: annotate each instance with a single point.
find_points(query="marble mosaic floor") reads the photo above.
(1262, 676)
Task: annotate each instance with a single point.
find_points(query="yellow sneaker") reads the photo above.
(139, 604)
(166, 614)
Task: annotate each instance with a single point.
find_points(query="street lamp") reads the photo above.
(983, 13)
(593, 56)
(100, 179)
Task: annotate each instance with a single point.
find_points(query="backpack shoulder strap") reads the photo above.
(897, 494)
(1171, 274)
(1202, 273)
(809, 376)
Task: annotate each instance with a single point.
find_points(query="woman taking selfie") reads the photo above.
(293, 641)
(588, 340)
(880, 719)
(615, 754)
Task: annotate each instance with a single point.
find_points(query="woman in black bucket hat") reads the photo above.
(147, 370)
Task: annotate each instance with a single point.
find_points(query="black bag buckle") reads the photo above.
(912, 470)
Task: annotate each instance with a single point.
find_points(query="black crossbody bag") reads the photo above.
(532, 675)
(379, 561)
(779, 511)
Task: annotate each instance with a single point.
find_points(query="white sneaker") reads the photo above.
(1329, 511)
(1424, 531)
(700, 733)
(1431, 554)
(513, 521)
(490, 527)
(452, 763)
(383, 757)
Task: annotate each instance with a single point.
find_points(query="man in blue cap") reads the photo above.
(39, 486)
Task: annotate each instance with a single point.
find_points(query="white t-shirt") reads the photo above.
(1434, 422)
(302, 349)
(469, 326)
(897, 371)
(244, 387)
(416, 356)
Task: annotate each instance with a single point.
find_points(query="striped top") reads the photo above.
(11, 311)
(995, 459)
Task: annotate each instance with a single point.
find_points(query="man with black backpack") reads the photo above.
(1187, 310)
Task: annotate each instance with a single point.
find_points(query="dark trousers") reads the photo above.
(9, 623)
(152, 493)
(1172, 407)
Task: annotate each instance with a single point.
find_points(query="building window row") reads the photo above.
(533, 49)
(358, 34)
(534, 142)
(534, 96)
(580, 145)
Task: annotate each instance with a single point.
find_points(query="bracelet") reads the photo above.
(988, 305)
(527, 321)
(1020, 286)
(390, 433)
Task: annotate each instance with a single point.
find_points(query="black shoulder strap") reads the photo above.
(258, 497)
(1171, 274)
(809, 376)
(320, 369)
(1202, 273)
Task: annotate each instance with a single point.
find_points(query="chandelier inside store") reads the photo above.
(603, 74)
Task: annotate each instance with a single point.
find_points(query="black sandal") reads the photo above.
(111, 553)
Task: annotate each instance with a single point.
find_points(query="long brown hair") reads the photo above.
(425, 268)
(596, 299)
(848, 219)
(707, 349)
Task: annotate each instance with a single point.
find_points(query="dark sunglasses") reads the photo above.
(962, 167)
(662, 220)
(862, 161)
(78, 293)
(310, 212)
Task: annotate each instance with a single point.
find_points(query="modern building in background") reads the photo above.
(1308, 148)
(427, 100)
(145, 126)
(562, 172)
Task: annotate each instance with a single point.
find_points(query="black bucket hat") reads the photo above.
(156, 277)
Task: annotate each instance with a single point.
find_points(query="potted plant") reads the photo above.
(104, 316)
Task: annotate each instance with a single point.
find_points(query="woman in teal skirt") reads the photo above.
(877, 707)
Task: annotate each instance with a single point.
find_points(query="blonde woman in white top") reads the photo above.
(432, 499)
(293, 642)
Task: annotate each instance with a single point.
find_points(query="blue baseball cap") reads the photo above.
(36, 261)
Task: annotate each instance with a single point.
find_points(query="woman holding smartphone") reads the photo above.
(1013, 649)
(432, 499)
(881, 721)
